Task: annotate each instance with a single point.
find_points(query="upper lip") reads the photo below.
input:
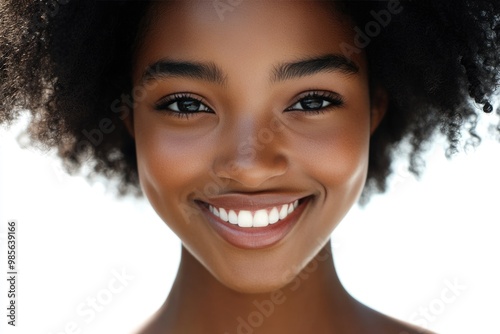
(252, 202)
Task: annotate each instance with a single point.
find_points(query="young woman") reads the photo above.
(252, 127)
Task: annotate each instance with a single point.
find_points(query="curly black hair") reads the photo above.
(69, 61)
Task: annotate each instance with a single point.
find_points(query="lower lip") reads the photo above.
(255, 237)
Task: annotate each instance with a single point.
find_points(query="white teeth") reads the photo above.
(245, 219)
(232, 217)
(223, 214)
(274, 216)
(284, 211)
(260, 218)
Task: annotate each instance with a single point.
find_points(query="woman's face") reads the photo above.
(245, 109)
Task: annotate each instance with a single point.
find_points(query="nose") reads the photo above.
(250, 153)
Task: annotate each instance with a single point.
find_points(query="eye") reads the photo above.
(317, 102)
(182, 105)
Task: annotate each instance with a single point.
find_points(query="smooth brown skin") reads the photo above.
(321, 154)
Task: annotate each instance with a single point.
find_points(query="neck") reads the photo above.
(315, 299)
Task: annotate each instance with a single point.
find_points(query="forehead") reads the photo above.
(251, 32)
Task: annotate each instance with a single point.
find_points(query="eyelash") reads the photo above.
(165, 103)
(333, 99)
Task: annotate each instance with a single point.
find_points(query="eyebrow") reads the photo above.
(165, 68)
(210, 72)
(310, 66)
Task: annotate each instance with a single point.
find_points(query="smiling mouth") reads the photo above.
(254, 218)
(254, 222)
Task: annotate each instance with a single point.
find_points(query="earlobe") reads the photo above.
(380, 103)
(128, 121)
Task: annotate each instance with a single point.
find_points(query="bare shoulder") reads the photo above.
(384, 324)
(157, 323)
(401, 327)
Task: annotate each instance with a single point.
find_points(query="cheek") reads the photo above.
(336, 160)
(167, 162)
(337, 155)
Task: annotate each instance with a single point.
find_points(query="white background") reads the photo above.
(399, 255)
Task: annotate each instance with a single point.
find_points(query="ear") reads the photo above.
(379, 105)
(128, 120)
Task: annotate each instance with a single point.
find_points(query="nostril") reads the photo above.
(251, 175)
